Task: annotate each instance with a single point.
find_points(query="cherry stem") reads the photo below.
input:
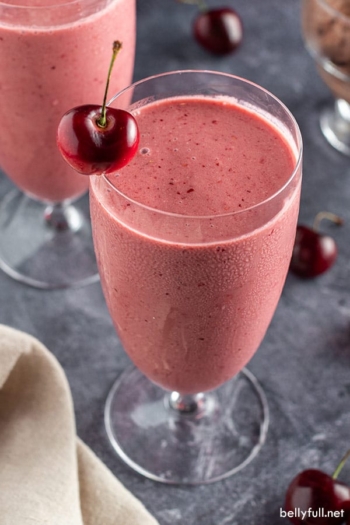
(202, 6)
(326, 215)
(341, 465)
(102, 121)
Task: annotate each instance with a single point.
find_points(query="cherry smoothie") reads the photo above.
(192, 263)
(54, 55)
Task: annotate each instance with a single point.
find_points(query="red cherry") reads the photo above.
(218, 30)
(92, 149)
(98, 139)
(313, 489)
(314, 253)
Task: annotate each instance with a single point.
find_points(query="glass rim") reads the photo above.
(219, 215)
(334, 11)
(66, 3)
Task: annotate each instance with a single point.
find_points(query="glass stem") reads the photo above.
(187, 404)
(62, 217)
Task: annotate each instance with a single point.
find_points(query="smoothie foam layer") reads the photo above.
(191, 314)
(200, 157)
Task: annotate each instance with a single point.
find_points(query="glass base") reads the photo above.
(46, 246)
(188, 441)
(335, 125)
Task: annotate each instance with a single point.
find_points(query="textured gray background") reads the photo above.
(304, 361)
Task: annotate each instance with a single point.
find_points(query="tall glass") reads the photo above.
(326, 28)
(191, 296)
(54, 55)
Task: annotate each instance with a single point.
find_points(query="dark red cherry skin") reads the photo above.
(218, 30)
(317, 490)
(92, 150)
(313, 252)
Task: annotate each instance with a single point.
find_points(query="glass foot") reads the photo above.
(46, 246)
(186, 440)
(335, 126)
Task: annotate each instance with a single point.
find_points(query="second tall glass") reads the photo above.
(53, 56)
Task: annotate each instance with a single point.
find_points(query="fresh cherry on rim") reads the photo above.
(314, 253)
(219, 30)
(315, 490)
(98, 139)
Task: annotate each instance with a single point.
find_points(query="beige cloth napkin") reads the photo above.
(47, 475)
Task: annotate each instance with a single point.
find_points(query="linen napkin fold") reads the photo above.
(47, 475)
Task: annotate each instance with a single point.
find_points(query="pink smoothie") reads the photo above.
(52, 59)
(192, 294)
